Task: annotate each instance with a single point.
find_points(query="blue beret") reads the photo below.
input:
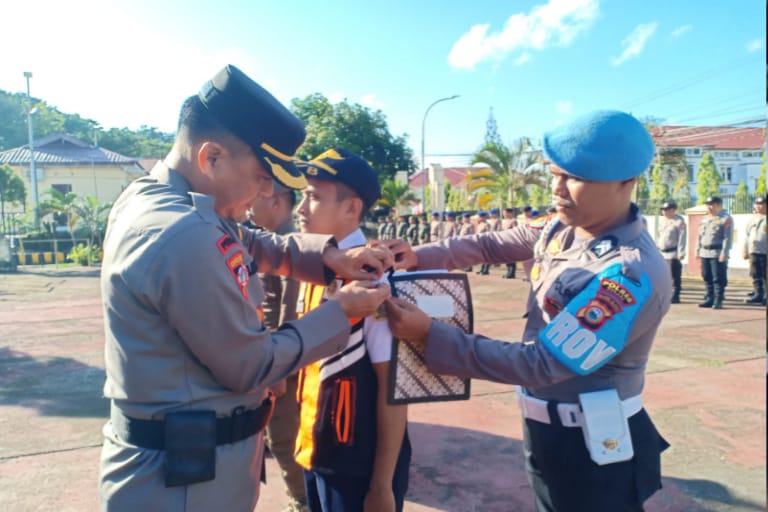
(605, 145)
(258, 119)
(450, 214)
(494, 211)
(466, 215)
(435, 214)
(482, 214)
(348, 168)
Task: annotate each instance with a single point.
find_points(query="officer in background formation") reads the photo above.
(450, 228)
(188, 360)
(483, 227)
(508, 222)
(381, 228)
(494, 222)
(467, 228)
(600, 290)
(671, 242)
(424, 230)
(402, 228)
(436, 227)
(754, 249)
(412, 234)
(391, 231)
(712, 247)
(275, 214)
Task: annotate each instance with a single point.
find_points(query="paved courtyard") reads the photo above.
(705, 390)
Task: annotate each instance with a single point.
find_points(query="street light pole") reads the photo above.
(423, 163)
(32, 168)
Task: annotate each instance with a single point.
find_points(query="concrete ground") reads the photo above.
(705, 390)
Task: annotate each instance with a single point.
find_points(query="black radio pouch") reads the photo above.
(190, 447)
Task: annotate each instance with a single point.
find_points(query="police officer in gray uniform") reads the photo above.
(187, 357)
(754, 249)
(712, 247)
(599, 290)
(671, 242)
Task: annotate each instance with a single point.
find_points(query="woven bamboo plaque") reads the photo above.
(445, 297)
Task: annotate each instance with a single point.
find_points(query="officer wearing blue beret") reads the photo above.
(599, 290)
(188, 360)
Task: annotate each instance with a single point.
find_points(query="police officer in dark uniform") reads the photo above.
(754, 249)
(672, 243)
(713, 245)
(599, 290)
(188, 360)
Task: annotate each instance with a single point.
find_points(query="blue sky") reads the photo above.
(537, 63)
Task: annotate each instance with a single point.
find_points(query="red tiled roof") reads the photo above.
(715, 137)
(453, 175)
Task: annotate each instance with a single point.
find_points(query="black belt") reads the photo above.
(710, 247)
(673, 249)
(150, 434)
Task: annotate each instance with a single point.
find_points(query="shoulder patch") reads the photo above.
(225, 243)
(594, 326)
(239, 272)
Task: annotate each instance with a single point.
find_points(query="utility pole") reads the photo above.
(32, 168)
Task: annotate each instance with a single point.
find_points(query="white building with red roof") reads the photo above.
(737, 151)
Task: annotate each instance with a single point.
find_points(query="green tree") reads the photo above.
(492, 130)
(741, 199)
(355, 128)
(659, 190)
(641, 190)
(540, 197)
(708, 178)
(682, 192)
(760, 185)
(395, 195)
(509, 172)
(11, 191)
(92, 216)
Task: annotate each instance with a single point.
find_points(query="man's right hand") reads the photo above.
(361, 298)
(403, 253)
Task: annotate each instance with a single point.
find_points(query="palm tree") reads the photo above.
(506, 173)
(61, 203)
(395, 195)
(91, 214)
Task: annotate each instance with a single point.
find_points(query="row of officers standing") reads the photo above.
(714, 241)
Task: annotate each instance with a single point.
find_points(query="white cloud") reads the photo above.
(679, 31)
(556, 23)
(635, 42)
(371, 101)
(564, 107)
(522, 59)
(755, 45)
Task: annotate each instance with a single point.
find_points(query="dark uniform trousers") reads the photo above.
(715, 275)
(757, 272)
(565, 479)
(676, 269)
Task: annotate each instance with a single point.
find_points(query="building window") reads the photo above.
(692, 151)
(63, 188)
(691, 177)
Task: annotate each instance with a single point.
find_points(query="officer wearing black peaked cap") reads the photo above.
(188, 360)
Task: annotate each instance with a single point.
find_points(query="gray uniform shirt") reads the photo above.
(183, 331)
(715, 236)
(755, 239)
(562, 268)
(280, 292)
(672, 237)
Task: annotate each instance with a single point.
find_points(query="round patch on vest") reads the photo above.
(535, 272)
